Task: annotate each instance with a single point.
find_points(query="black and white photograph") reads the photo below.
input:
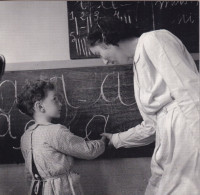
(99, 97)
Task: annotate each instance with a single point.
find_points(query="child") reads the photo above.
(48, 149)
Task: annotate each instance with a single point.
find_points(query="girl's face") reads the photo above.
(111, 54)
(52, 106)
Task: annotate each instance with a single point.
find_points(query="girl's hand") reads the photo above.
(107, 135)
(103, 139)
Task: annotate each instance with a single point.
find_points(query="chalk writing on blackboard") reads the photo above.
(179, 17)
(6, 113)
(101, 96)
(89, 132)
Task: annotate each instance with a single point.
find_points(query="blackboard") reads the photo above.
(95, 100)
(179, 17)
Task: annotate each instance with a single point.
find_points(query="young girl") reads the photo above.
(48, 148)
(166, 84)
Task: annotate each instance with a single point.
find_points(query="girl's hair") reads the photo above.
(110, 30)
(31, 92)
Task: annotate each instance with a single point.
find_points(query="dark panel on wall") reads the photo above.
(179, 17)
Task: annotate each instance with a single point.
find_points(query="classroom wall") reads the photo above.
(34, 35)
(34, 31)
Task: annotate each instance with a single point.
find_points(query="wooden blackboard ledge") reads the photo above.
(62, 64)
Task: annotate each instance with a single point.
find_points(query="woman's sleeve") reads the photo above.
(179, 71)
(70, 144)
(174, 63)
(140, 135)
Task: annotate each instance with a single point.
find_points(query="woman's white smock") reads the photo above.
(166, 84)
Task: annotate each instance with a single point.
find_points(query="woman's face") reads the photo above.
(110, 54)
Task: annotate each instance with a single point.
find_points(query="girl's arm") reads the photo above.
(76, 146)
(28, 175)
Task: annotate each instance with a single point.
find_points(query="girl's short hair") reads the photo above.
(110, 30)
(33, 91)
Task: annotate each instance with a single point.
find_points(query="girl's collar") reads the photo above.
(34, 126)
(44, 124)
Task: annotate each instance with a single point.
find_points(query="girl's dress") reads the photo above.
(54, 147)
(167, 92)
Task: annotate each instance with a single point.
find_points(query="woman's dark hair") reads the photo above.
(111, 30)
(33, 91)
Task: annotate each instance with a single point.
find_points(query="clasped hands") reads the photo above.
(107, 136)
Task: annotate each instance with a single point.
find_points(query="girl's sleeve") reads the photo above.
(140, 135)
(70, 144)
(25, 155)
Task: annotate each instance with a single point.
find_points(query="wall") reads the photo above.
(34, 31)
(34, 35)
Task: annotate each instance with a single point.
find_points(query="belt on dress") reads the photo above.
(38, 182)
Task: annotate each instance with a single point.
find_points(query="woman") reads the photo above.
(166, 85)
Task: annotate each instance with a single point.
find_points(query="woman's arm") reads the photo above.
(140, 135)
